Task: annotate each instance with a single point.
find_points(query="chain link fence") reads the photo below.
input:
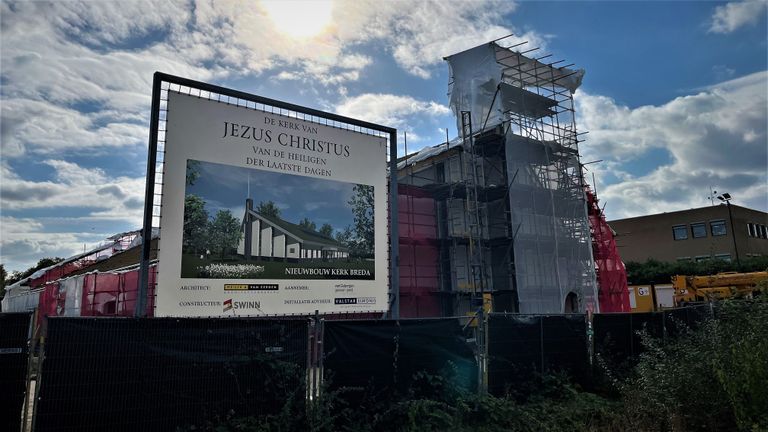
(160, 374)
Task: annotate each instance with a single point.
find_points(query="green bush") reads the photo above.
(712, 379)
(658, 272)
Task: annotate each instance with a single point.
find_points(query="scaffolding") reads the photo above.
(509, 191)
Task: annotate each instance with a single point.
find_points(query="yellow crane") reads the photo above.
(690, 289)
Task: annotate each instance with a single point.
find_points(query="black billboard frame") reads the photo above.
(149, 191)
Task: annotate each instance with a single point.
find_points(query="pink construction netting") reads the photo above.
(611, 273)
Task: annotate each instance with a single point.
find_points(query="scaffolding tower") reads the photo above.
(512, 212)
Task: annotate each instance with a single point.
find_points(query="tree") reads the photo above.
(193, 171)
(223, 232)
(653, 271)
(3, 275)
(195, 224)
(345, 237)
(326, 230)
(308, 224)
(268, 209)
(41, 264)
(362, 227)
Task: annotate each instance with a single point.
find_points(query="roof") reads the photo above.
(297, 231)
(136, 242)
(709, 208)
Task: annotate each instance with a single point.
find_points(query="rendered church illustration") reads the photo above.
(272, 238)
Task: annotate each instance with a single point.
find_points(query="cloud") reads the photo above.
(421, 33)
(734, 15)
(76, 80)
(110, 203)
(388, 109)
(91, 190)
(44, 128)
(24, 242)
(716, 137)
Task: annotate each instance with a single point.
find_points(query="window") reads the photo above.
(699, 230)
(440, 172)
(701, 258)
(724, 257)
(680, 232)
(764, 231)
(751, 229)
(292, 250)
(717, 228)
(684, 259)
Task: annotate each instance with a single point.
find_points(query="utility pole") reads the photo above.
(726, 198)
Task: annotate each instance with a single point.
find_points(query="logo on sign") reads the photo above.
(230, 304)
(251, 287)
(354, 300)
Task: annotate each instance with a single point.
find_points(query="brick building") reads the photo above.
(693, 235)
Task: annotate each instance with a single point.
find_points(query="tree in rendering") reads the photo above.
(326, 230)
(195, 225)
(308, 224)
(223, 233)
(362, 226)
(268, 209)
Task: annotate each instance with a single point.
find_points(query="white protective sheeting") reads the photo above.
(477, 73)
(20, 299)
(73, 287)
(552, 248)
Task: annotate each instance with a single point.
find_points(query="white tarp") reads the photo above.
(20, 299)
(477, 73)
(73, 289)
(552, 248)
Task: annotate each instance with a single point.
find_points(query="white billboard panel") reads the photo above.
(264, 214)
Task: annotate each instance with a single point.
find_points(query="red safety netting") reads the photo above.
(114, 294)
(610, 270)
(126, 298)
(104, 294)
(419, 253)
(55, 273)
(100, 294)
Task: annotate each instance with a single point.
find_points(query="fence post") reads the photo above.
(320, 325)
(541, 342)
(31, 345)
(310, 340)
(313, 353)
(40, 361)
(482, 352)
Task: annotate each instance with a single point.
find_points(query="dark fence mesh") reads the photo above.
(614, 337)
(676, 321)
(162, 374)
(388, 356)
(14, 351)
(565, 346)
(522, 347)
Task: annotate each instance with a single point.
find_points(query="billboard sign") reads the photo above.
(265, 214)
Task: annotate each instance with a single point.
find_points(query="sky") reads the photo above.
(225, 187)
(674, 97)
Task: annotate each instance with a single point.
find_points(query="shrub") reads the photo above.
(710, 379)
(230, 271)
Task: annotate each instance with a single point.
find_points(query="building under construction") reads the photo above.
(500, 213)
